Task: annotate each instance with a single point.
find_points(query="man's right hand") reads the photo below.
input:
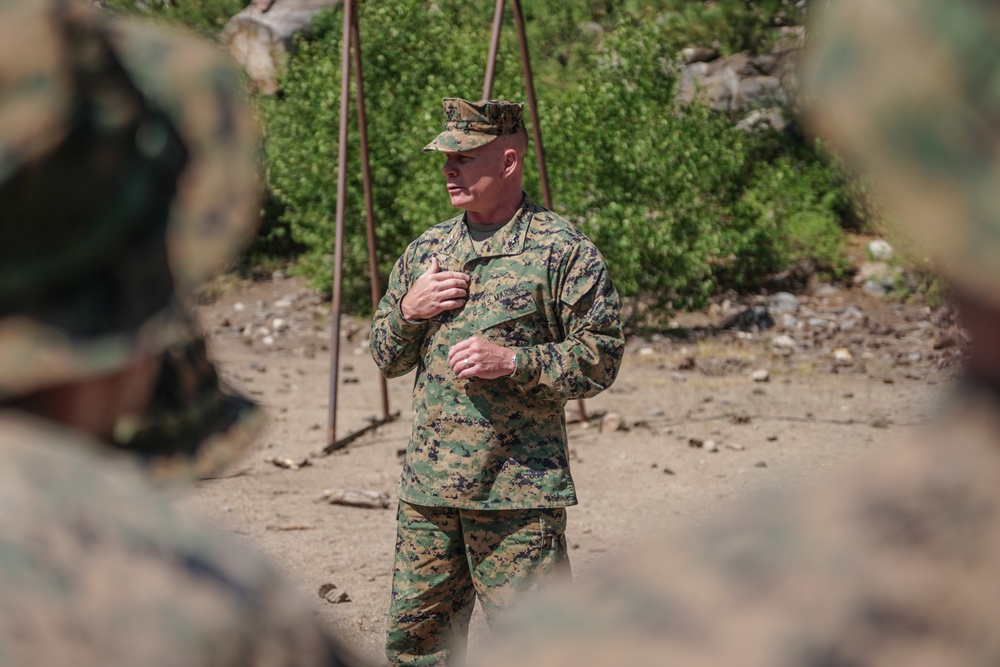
(434, 292)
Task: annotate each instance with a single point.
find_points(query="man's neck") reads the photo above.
(498, 215)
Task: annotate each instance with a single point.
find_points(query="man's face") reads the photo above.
(473, 178)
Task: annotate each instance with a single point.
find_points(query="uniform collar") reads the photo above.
(508, 240)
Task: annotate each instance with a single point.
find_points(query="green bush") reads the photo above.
(680, 201)
(414, 57)
(731, 25)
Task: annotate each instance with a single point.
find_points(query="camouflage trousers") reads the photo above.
(446, 557)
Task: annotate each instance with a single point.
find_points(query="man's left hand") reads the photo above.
(479, 358)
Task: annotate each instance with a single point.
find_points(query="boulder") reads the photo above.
(759, 85)
(260, 35)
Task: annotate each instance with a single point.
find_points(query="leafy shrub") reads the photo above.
(414, 57)
(731, 25)
(679, 200)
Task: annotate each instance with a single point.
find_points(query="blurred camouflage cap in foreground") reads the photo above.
(128, 175)
(196, 425)
(470, 125)
(909, 93)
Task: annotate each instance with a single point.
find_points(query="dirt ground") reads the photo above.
(697, 434)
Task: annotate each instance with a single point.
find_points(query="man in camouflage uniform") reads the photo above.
(898, 563)
(507, 312)
(127, 176)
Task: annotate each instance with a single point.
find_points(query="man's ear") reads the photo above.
(510, 160)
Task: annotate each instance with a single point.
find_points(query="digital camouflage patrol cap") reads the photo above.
(909, 93)
(128, 175)
(470, 125)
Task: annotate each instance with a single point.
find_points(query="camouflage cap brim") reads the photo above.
(195, 425)
(456, 141)
(34, 354)
(469, 125)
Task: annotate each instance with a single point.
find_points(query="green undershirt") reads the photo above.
(480, 233)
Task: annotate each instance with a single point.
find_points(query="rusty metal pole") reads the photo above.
(536, 130)
(369, 204)
(491, 61)
(529, 85)
(338, 252)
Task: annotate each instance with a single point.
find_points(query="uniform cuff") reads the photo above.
(403, 327)
(525, 372)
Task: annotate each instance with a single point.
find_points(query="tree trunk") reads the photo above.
(260, 35)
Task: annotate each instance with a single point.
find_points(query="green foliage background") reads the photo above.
(681, 202)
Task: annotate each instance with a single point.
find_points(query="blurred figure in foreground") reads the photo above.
(127, 177)
(899, 563)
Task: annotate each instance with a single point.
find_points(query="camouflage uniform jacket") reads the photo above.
(540, 288)
(895, 564)
(97, 568)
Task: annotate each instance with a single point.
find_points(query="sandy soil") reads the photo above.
(828, 402)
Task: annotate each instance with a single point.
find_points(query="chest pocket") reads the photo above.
(511, 318)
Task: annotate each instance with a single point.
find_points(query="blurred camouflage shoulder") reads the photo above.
(895, 564)
(97, 568)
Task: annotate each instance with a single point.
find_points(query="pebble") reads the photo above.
(710, 446)
(783, 344)
(880, 250)
(612, 422)
(852, 312)
(239, 307)
(645, 351)
(842, 355)
(871, 271)
(784, 302)
(330, 593)
(874, 287)
(761, 375)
